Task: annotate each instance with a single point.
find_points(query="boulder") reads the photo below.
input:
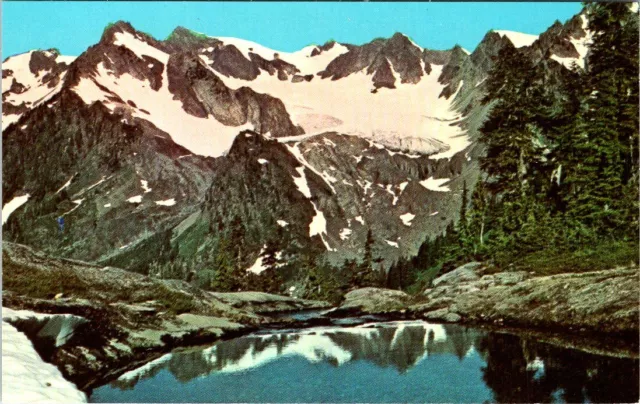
(374, 300)
(443, 315)
(510, 278)
(464, 273)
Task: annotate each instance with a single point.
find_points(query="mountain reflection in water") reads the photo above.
(405, 361)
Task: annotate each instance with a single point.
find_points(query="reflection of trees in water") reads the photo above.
(519, 370)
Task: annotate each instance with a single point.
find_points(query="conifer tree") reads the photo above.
(609, 138)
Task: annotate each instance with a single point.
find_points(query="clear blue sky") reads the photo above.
(74, 26)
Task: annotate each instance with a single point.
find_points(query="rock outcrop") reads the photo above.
(95, 322)
(600, 301)
(372, 301)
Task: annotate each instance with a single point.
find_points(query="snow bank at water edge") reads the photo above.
(26, 378)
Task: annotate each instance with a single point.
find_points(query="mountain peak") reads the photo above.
(402, 39)
(182, 37)
(119, 26)
(182, 33)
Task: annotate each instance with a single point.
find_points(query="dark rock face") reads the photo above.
(202, 93)
(106, 159)
(299, 79)
(46, 71)
(451, 71)
(355, 184)
(182, 39)
(437, 57)
(229, 61)
(378, 57)
(383, 76)
(118, 59)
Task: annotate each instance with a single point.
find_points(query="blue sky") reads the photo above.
(74, 26)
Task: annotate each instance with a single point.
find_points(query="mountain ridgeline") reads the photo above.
(232, 166)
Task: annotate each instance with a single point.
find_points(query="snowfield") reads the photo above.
(165, 112)
(26, 378)
(409, 117)
(302, 59)
(36, 92)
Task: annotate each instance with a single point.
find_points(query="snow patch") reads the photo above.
(145, 186)
(27, 378)
(168, 202)
(301, 182)
(257, 267)
(282, 223)
(295, 151)
(318, 226)
(518, 39)
(263, 161)
(345, 233)
(135, 199)
(359, 219)
(436, 184)
(66, 184)
(12, 205)
(392, 243)
(407, 218)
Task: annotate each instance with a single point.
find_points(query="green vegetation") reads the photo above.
(46, 282)
(198, 35)
(559, 191)
(20, 279)
(109, 25)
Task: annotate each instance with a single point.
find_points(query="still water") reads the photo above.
(405, 361)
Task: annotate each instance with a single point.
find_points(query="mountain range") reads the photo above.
(154, 152)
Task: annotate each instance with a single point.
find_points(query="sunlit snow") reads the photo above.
(168, 202)
(203, 136)
(407, 218)
(135, 199)
(436, 184)
(518, 39)
(12, 205)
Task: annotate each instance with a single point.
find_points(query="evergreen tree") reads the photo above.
(608, 150)
(224, 266)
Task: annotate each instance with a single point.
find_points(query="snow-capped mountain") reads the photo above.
(150, 149)
(30, 79)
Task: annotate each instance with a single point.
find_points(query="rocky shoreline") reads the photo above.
(121, 319)
(101, 322)
(591, 306)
